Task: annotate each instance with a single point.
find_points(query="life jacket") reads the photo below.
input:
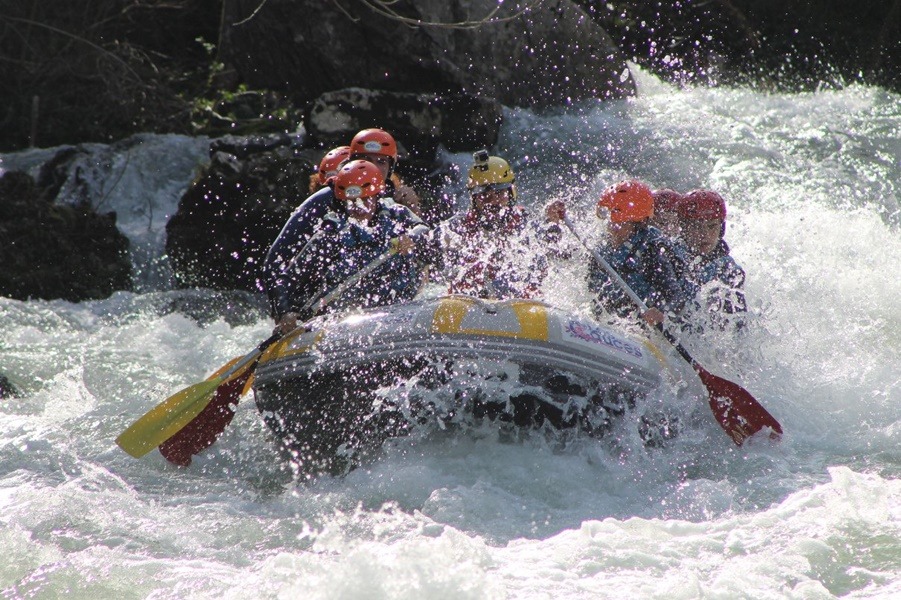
(292, 239)
(718, 285)
(496, 259)
(340, 247)
(650, 264)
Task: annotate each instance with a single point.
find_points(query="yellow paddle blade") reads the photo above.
(247, 385)
(225, 368)
(167, 418)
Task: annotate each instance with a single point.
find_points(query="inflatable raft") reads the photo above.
(350, 382)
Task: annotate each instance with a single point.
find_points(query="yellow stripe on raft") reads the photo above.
(531, 317)
(281, 348)
(533, 320)
(448, 317)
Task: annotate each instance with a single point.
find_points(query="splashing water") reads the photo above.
(812, 183)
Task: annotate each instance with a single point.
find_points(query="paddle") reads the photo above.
(203, 429)
(191, 420)
(734, 408)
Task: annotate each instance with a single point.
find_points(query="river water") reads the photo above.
(813, 183)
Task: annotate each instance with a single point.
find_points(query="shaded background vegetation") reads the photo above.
(100, 70)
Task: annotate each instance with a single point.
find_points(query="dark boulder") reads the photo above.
(229, 217)
(419, 122)
(771, 43)
(549, 54)
(7, 389)
(50, 251)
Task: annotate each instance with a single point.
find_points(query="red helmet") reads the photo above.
(702, 205)
(358, 179)
(328, 166)
(666, 200)
(374, 141)
(627, 201)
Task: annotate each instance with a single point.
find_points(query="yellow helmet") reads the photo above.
(490, 172)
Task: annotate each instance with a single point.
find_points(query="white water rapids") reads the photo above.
(813, 183)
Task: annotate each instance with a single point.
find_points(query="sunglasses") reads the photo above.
(490, 187)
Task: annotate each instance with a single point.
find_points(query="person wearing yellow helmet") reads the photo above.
(492, 184)
(493, 250)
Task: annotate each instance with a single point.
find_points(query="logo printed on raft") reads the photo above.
(596, 335)
(396, 319)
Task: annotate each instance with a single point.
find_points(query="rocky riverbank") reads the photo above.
(278, 82)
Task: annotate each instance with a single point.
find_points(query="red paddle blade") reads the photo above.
(736, 410)
(208, 425)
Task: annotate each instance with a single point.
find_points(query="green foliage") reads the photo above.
(100, 70)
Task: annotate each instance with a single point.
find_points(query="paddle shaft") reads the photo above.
(737, 412)
(326, 299)
(251, 356)
(201, 431)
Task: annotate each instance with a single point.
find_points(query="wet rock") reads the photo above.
(50, 251)
(419, 122)
(550, 54)
(7, 389)
(229, 217)
(761, 42)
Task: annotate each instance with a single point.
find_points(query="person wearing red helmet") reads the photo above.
(380, 148)
(649, 262)
(359, 228)
(328, 167)
(717, 279)
(374, 145)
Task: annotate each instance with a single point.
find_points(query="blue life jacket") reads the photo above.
(338, 248)
(651, 264)
(305, 220)
(718, 283)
